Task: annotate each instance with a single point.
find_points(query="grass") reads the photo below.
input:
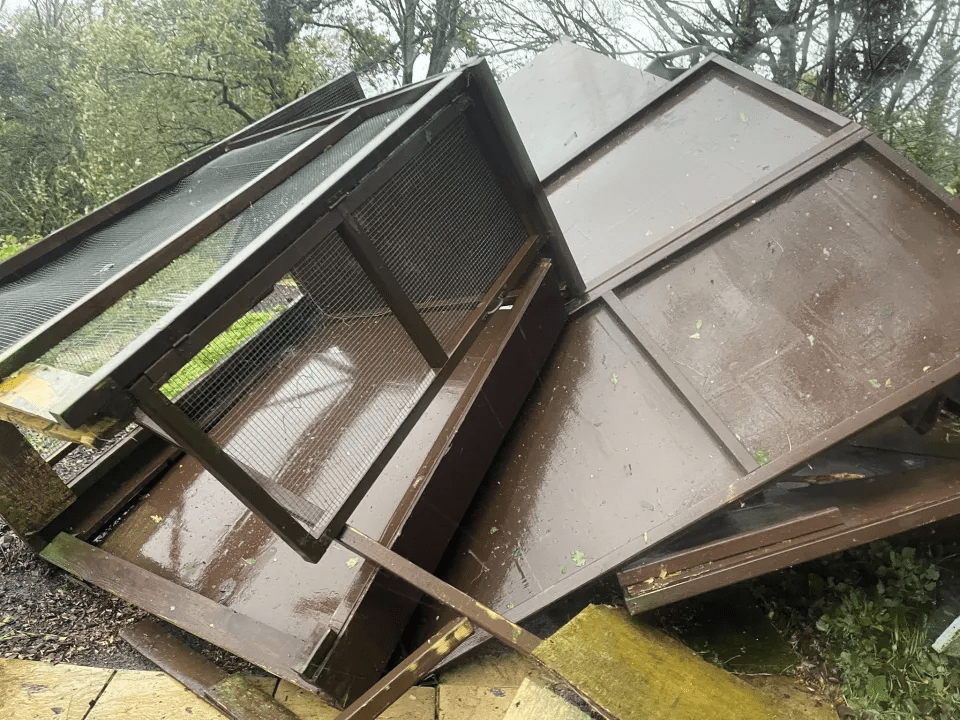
(219, 347)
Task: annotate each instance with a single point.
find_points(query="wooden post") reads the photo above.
(31, 493)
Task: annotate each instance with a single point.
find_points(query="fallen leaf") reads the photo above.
(699, 324)
(563, 570)
(645, 538)
(743, 118)
(352, 562)
(614, 379)
(926, 367)
(810, 340)
(695, 336)
(516, 552)
(645, 505)
(493, 530)
(761, 456)
(250, 561)
(888, 383)
(578, 559)
(510, 606)
(873, 381)
(156, 518)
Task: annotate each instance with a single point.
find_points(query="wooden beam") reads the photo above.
(505, 631)
(414, 668)
(271, 649)
(31, 493)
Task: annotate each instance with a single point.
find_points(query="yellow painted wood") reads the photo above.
(492, 665)
(637, 673)
(418, 703)
(535, 702)
(149, 696)
(30, 690)
(27, 396)
(462, 702)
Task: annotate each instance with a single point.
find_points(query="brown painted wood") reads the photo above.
(31, 493)
(412, 670)
(727, 547)
(182, 431)
(724, 214)
(691, 396)
(480, 615)
(365, 253)
(506, 153)
(271, 649)
(886, 506)
(308, 221)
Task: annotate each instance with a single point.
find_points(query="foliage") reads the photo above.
(10, 246)
(868, 610)
(219, 347)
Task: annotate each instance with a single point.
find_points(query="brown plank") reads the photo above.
(414, 668)
(727, 547)
(155, 642)
(479, 614)
(894, 504)
(31, 493)
(271, 649)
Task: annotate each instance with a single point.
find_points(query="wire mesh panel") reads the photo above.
(330, 377)
(97, 341)
(330, 400)
(345, 89)
(28, 302)
(444, 228)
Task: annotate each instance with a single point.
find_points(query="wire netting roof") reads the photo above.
(97, 341)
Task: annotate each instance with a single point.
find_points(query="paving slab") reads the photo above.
(147, 695)
(419, 703)
(463, 702)
(31, 690)
(535, 702)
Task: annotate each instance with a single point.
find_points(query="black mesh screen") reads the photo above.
(343, 90)
(444, 228)
(91, 346)
(27, 303)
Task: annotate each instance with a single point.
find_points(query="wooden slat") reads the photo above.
(479, 614)
(269, 648)
(727, 547)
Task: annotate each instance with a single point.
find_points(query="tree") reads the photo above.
(388, 40)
